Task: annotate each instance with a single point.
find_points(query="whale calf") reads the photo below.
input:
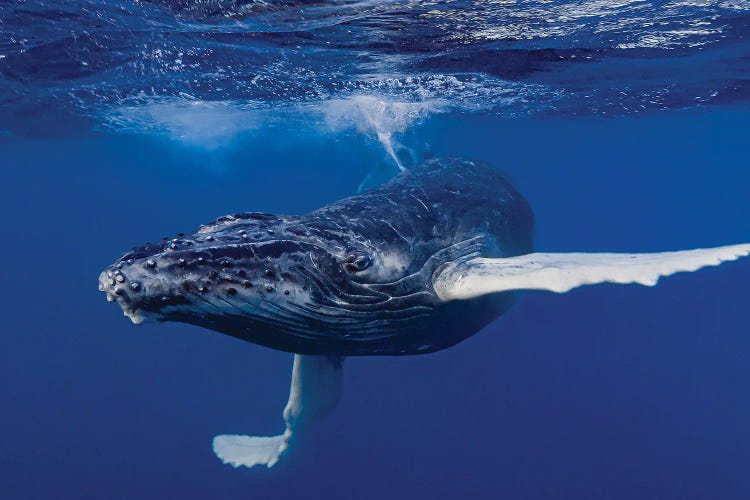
(414, 266)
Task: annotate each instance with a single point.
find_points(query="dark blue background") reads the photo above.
(605, 392)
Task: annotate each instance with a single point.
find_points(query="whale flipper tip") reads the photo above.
(249, 451)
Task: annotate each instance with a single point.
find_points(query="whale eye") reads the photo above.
(357, 261)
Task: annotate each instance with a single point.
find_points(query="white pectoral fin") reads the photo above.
(315, 391)
(561, 272)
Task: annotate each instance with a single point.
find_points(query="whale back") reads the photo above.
(438, 213)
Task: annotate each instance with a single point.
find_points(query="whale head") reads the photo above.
(249, 275)
(232, 266)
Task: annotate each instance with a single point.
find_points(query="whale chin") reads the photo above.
(138, 316)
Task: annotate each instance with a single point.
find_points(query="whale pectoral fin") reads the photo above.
(561, 272)
(315, 391)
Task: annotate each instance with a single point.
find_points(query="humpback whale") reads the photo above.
(412, 267)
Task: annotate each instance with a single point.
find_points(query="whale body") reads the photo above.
(352, 278)
(411, 267)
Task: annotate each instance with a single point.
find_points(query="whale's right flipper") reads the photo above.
(315, 391)
(561, 272)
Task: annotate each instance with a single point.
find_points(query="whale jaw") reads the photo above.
(108, 283)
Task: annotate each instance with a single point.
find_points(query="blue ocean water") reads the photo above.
(624, 123)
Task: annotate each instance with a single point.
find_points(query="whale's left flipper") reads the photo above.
(315, 390)
(561, 272)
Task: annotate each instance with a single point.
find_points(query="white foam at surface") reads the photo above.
(214, 124)
(378, 117)
(208, 124)
(382, 109)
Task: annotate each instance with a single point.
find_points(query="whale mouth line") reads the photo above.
(138, 315)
